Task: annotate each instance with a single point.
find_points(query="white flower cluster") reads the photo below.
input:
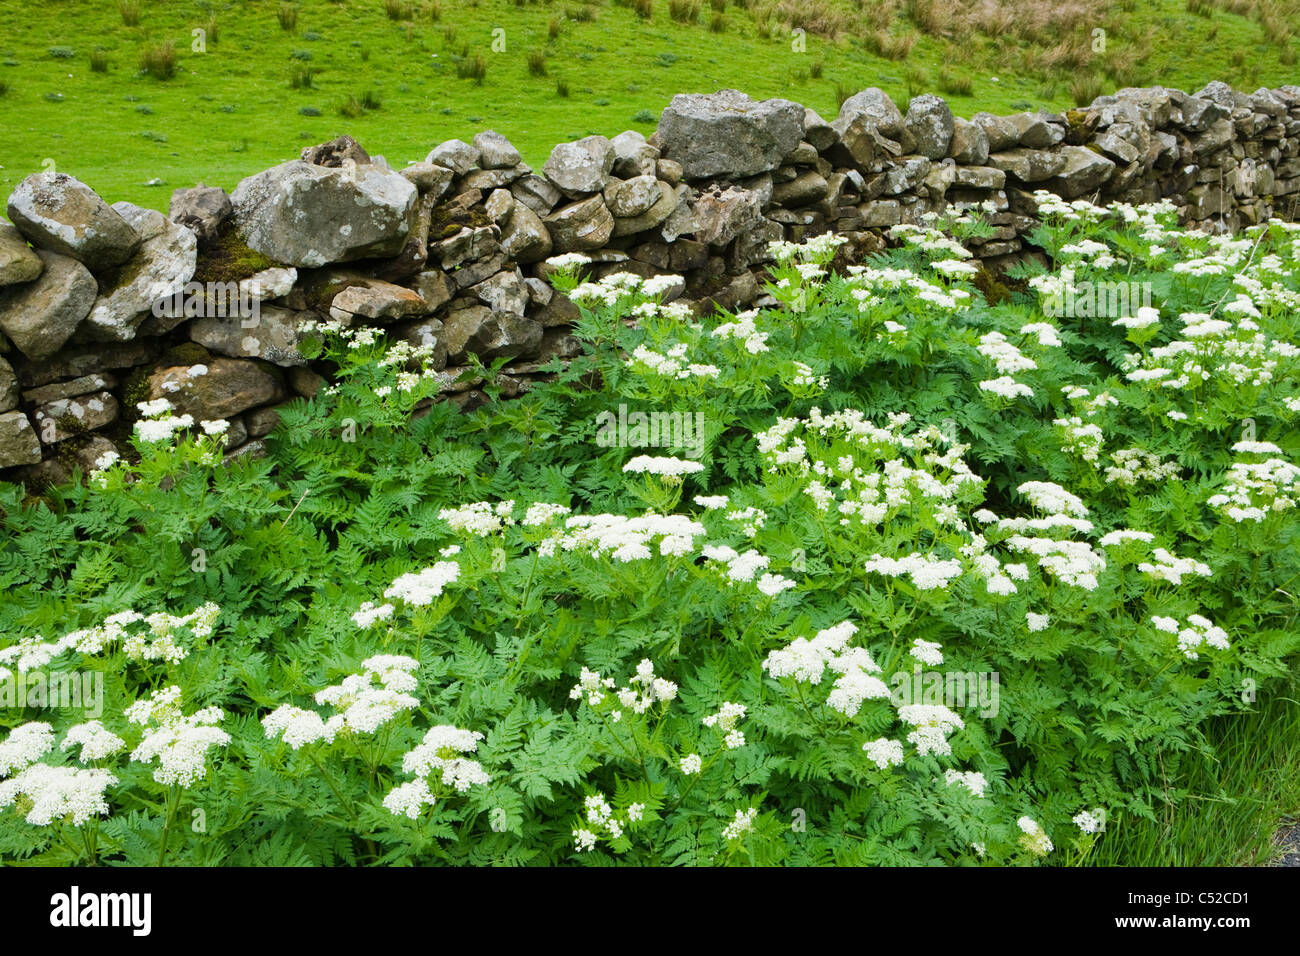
(1169, 568)
(934, 724)
(419, 588)
(1087, 821)
(807, 660)
(971, 780)
(1198, 633)
(96, 741)
(1134, 465)
(663, 465)
(818, 249)
(745, 567)
(645, 689)
(1033, 838)
(626, 539)
(742, 823)
(1253, 490)
(884, 752)
(59, 793)
(26, 744)
(672, 363)
(743, 329)
(443, 749)
(151, 428)
(725, 722)
(178, 742)
(926, 571)
(481, 518)
(368, 615)
(543, 513)
(1081, 438)
(366, 701)
(298, 727)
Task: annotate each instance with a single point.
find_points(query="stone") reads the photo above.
(876, 106)
(906, 176)
(1001, 133)
(457, 155)
(18, 442)
(1033, 130)
(1029, 165)
(221, 389)
(1219, 134)
(466, 245)
(1117, 147)
(61, 214)
(376, 301)
(539, 291)
(581, 167)
(728, 134)
(434, 288)
(18, 263)
(260, 422)
(66, 418)
(495, 151)
(970, 143)
(489, 335)
(475, 272)
(8, 386)
(1200, 114)
(75, 362)
(633, 156)
(40, 316)
(669, 201)
(580, 226)
(633, 197)
(429, 178)
(669, 171)
(930, 123)
(805, 154)
(338, 153)
(271, 283)
(503, 292)
(817, 131)
(301, 214)
(1084, 172)
(489, 179)
(722, 214)
(425, 333)
(499, 205)
(164, 264)
(535, 192)
(880, 213)
(804, 190)
(524, 237)
(979, 177)
(84, 385)
(201, 209)
(274, 335)
(858, 144)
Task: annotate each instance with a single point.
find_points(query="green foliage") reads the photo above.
(895, 596)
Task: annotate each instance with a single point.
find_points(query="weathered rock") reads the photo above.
(62, 214)
(980, 177)
(489, 179)
(930, 122)
(40, 316)
(805, 189)
(633, 156)
(225, 387)
(495, 151)
(376, 301)
(457, 155)
(580, 226)
(580, 167)
(8, 386)
(970, 143)
(1001, 133)
(274, 335)
(906, 175)
(165, 262)
(671, 199)
(1117, 147)
(425, 333)
(302, 214)
(1029, 165)
(429, 178)
(201, 209)
(489, 335)
(465, 245)
(728, 134)
(503, 292)
(95, 382)
(499, 205)
(817, 131)
(338, 153)
(525, 237)
(268, 284)
(18, 263)
(475, 272)
(877, 107)
(304, 382)
(669, 171)
(722, 214)
(633, 197)
(536, 193)
(68, 417)
(434, 288)
(1035, 131)
(858, 143)
(1083, 172)
(881, 212)
(260, 422)
(18, 442)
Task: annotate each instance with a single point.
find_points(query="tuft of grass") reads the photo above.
(130, 12)
(561, 88)
(891, 46)
(644, 9)
(684, 11)
(288, 17)
(98, 61)
(644, 116)
(817, 68)
(4, 87)
(553, 28)
(159, 60)
(62, 52)
(473, 68)
(301, 78)
(397, 10)
(1085, 88)
(718, 24)
(537, 63)
(954, 83)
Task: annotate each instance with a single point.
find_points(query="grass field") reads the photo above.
(400, 76)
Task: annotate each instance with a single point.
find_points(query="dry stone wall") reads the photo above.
(104, 306)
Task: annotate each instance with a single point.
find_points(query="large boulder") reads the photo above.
(524, 236)
(1029, 165)
(302, 214)
(1084, 171)
(64, 215)
(66, 418)
(722, 214)
(580, 167)
(455, 154)
(635, 196)
(495, 151)
(970, 143)
(633, 156)
(40, 316)
(274, 335)
(929, 121)
(165, 262)
(487, 334)
(729, 134)
(17, 261)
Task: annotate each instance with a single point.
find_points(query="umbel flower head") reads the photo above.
(179, 743)
(58, 793)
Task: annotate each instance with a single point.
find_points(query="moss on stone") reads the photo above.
(991, 287)
(225, 257)
(446, 221)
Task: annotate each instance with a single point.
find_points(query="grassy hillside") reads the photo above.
(399, 75)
